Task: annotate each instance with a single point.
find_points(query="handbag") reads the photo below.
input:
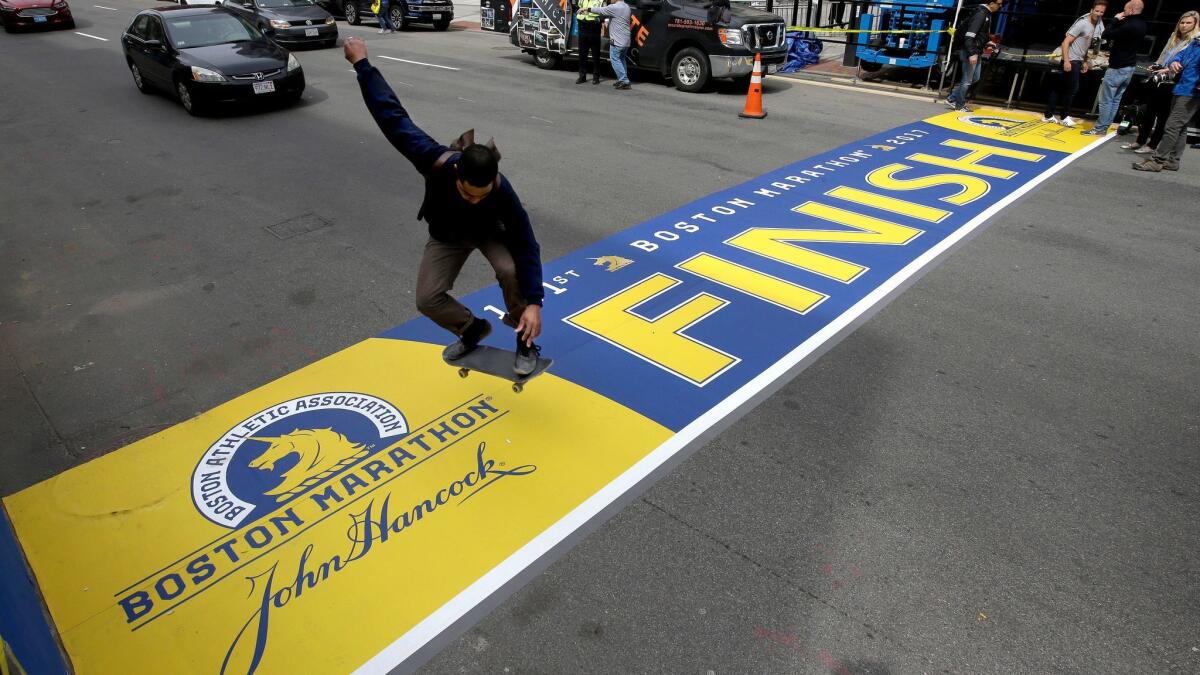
(375, 7)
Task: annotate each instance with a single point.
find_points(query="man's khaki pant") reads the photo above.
(440, 265)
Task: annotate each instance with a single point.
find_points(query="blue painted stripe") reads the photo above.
(23, 623)
(756, 332)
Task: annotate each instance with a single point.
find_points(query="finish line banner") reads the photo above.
(361, 512)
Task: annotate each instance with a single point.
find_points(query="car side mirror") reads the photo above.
(154, 44)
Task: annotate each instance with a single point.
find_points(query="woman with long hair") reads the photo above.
(1154, 120)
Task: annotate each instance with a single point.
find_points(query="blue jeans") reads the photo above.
(970, 75)
(385, 16)
(617, 56)
(1115, 82)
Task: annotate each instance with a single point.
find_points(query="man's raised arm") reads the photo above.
(392, 118)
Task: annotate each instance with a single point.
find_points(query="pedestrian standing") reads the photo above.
(588, 23)
(1086, 30)
(1186, 65)
(1126, 34)
(618, 14)
(384, 14)
(1153, 121)
(970, 55)
(469, 205)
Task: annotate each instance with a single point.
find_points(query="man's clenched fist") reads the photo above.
(355, 49)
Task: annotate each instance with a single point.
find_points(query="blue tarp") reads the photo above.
(802, 50)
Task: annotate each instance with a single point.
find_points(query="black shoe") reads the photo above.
(527, 358)
(469, 340)
(596, 80)
(581, 80)
(623, 85)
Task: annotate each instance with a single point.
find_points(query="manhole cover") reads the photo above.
(302, 224)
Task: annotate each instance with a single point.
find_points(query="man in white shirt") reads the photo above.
(1086, 30)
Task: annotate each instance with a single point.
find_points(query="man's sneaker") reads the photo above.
(470, 339)
(1095, 131)
(623, 86)
(1170, 166)
(1068, 122)
(951, 104)
(1051, 119)
(1144, 150)
(527, 357)
(1149, 165)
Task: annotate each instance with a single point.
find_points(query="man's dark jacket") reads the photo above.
(451, 218)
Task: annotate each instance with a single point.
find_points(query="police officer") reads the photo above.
(589, 39)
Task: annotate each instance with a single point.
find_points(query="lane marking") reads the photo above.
(111, 9)
(419, 63)
(468, 100)
(94, 37)
(541, 119)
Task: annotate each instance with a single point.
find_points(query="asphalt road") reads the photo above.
(996, 474)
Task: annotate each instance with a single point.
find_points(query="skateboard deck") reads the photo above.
(497, 363)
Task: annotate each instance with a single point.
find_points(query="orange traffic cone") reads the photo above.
(754, 107)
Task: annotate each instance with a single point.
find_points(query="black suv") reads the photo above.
(438, 13)
(670, 36)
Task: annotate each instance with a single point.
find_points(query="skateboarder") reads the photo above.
(469, 206)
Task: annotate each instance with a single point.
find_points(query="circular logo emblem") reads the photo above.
(283, 451)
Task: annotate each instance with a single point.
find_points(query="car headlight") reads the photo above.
(205, 75)
(276, 23)
(730, 36)
(330, 21)
(293, 64)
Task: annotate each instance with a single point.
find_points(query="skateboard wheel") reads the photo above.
(517, 388)
(462, 372)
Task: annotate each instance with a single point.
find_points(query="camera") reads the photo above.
(1159, 76)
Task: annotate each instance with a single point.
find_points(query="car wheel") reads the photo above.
(870, 66)
(690, 70)
(350, 9)
(185, 99)
(546, 59)
(138, 81)
(396, 14)
(441, 24)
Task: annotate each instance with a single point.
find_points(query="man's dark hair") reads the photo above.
(1097, 3)
(478, 165)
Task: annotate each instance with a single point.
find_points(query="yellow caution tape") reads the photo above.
(819, 29)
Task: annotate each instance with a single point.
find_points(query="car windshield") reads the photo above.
(275, 4)
(203, 30)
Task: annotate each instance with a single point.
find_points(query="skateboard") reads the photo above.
(497, 363)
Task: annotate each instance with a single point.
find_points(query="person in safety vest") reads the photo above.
(469, 205)
(589, 39)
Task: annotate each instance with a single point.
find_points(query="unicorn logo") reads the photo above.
(611, 263)
(322, 452)
(308, 440)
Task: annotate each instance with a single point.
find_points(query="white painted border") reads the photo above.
(425, 639)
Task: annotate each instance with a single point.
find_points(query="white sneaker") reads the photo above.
(1144, 150)
(1068, 122)
(382, 31)
(1053, 119)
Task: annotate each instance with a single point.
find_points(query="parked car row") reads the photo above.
(404, 13)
